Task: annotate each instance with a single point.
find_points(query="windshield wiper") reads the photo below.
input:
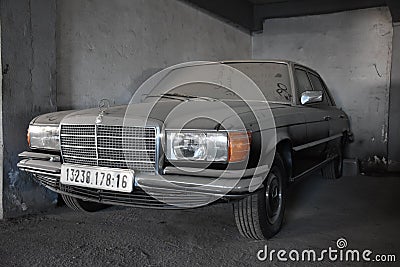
(179, 96)
(170, 96)
(279, 102)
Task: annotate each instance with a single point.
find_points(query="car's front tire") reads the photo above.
(260, 215)
(81, 205)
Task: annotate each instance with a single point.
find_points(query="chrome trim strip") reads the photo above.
(35, 155)
(59, 138)
(95, 145)
(158, 149)
(198, 184)
(40, 165)
(314, 168)
(315, 143)
(261, 170)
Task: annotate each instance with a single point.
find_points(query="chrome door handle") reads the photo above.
(327, 118)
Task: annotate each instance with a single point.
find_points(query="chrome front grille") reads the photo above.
(109, 146)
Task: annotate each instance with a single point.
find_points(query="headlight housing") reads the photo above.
(207, 146)
(44, 137)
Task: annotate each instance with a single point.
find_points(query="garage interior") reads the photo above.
(69, 54)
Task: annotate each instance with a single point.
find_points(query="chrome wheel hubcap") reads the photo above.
(273, 198)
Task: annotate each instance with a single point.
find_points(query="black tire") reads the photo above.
(77, 204)
(260, 215)
(334, 169)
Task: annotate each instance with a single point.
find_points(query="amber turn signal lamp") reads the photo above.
(239, 146)
(28, 137)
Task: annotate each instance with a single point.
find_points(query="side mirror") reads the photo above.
(309, 97)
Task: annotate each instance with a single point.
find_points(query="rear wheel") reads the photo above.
(260, 215)
(81, 205)
(334, 169)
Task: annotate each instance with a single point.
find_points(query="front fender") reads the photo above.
(53, 118)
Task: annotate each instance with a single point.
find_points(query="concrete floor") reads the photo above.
(364, 210)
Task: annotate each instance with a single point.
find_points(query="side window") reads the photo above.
(303, 83)
(319, 86)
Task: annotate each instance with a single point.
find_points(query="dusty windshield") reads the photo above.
(271, 78)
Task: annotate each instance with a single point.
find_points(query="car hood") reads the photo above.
(196, 113)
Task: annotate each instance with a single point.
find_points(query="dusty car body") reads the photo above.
(310, 134)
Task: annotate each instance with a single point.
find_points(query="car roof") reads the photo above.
(289, 62)
(256, 61)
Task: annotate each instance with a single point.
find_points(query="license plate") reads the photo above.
(97, 177)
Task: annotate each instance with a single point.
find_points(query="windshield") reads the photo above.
(271, 78)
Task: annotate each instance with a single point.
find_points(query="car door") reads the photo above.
(317, 123)
(335, 116)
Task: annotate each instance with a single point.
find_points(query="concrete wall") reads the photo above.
(1, 137)
(28, 89)
(352, 51)
(394, 111)
(106, 49)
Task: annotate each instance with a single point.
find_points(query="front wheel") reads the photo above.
(260, 215)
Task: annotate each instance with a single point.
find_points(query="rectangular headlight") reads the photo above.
(197, 146)
(208, 146)
(44, 137)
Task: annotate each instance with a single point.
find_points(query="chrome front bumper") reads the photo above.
(173, 184)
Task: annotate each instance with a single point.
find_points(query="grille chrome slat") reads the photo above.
(126, 137)
(109, 146)
(107, 136)
(117, 149)
(77, 148)
(111, 160)
(76, 135)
